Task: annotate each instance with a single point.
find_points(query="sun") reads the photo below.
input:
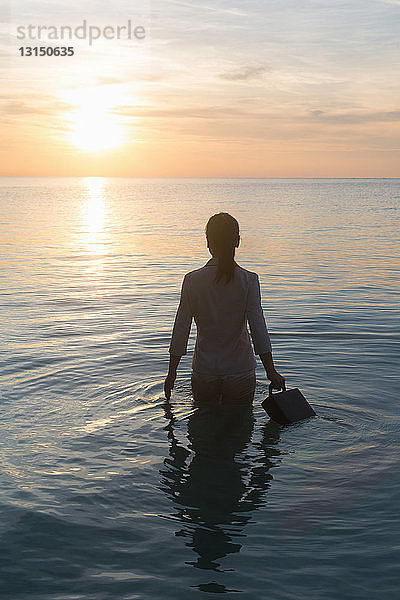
(95, 130)
(92, 124)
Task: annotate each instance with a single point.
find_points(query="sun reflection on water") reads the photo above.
(94, 214)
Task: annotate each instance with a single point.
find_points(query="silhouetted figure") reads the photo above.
(222, 297)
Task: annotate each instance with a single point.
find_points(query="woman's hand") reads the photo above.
(170, 378)
(277, 380)
(169, 384)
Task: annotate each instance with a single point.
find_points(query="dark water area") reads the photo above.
(107, 490)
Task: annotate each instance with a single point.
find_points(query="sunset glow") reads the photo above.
(93, 126)
(253, 89)
(95, 130)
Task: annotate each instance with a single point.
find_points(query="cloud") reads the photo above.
(110, 80)
(245, 73)
(215, 9)
(35, 106)
(356, 117)
(178, 112)
(248, 117)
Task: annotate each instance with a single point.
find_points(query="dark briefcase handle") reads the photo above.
(271, 389)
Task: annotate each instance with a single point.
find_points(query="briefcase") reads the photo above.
(287, 406)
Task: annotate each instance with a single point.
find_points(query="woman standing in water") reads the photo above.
(222, 297)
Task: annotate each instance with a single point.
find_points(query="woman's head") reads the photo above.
(222, 232)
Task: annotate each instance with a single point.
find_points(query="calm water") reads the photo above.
(109, 492)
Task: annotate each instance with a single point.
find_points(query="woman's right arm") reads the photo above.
(260, 335)
(255, 318)
(275, 378)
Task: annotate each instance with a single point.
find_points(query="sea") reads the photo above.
(110, 492)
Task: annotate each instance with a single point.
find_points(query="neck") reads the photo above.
(215, 255)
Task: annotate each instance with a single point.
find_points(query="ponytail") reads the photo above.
(222, 233)
(226, 265)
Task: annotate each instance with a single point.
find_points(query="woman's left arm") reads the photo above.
(170, 379)
(180, 336)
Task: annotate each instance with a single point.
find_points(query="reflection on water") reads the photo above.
(92, 230)
(107, 492)
(215, 493)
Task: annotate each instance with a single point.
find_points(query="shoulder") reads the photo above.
(194, 274)
(202, 271)
(249, 275)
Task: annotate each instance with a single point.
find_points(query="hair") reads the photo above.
(222, 232)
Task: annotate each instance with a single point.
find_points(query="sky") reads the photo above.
(256, 88)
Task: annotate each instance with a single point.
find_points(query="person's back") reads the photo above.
(222, 297)
(220, 311)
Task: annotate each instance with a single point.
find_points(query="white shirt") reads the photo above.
(221, 312)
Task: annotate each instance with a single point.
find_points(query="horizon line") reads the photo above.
(200, 177)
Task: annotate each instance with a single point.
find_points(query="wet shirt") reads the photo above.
(221, 313)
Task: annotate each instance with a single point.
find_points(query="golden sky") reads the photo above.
(258, 88)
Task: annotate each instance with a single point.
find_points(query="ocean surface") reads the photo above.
(108, 491)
